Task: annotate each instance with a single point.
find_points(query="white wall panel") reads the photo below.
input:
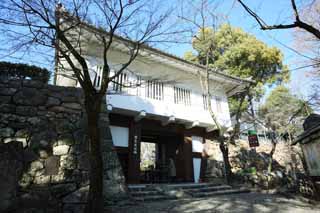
(165, 107)
(120, 136)
(197, 145)
(196, 169)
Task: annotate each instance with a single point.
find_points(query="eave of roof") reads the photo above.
(308, 136)
(174, 57)
(236, 80)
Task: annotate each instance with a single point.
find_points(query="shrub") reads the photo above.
(23, 71)
(250, 170)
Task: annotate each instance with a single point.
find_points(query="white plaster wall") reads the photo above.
(171, 76)
(197, 145)
(120, 136)
(163, 108)
(154, 70)
(196, 169)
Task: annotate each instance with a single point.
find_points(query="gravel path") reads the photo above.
(238, 203)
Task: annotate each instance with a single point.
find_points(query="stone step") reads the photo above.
(143, 193)
(155, 198)
(208, 189)
(142, 188)
(147, 187)
(155, 192)
(191, 185)
(222, 192)
(136, 186)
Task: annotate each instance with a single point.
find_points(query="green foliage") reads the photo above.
(240, 54)
(283, 112)
(190, 57)
(23, 71)
(203, 43)
(146, 164)
(250, 170)
(234, 105)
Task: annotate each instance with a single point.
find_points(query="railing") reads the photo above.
(128, 83)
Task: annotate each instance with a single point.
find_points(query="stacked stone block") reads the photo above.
(44, 150)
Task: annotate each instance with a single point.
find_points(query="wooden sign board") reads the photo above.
(253, 138)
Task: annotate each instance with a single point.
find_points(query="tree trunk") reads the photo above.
(95, 197)
(273, 149)
(225, 153)
(271, 156)
(236, 131)
(293, 160)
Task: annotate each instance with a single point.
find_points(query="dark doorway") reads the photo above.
(156, 153)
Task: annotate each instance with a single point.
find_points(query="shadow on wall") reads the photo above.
(44, 153)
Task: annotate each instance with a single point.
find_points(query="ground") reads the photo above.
(246, 202)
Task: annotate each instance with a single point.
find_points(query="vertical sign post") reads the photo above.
(253, 138)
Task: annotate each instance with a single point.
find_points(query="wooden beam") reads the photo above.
(140, 116)
(171, 119)
(134, 153)
(193, 124)
(231, 90)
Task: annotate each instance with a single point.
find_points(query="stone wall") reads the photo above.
(44, 158)
(214, 163)
(252, 165)
(285, 156)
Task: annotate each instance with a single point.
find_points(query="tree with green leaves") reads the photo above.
(198, 19)
(282, 114)
(240, 54)
(305, 23)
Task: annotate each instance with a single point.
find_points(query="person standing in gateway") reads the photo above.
(172, 170)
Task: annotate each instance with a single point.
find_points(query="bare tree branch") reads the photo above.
(296, 24)
(67, 28)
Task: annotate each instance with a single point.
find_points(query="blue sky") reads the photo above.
(271, 13)
(281, 13)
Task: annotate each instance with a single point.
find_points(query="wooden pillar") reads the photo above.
(180, 160)
(188, 161)
(134, 152)
(204, 161)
